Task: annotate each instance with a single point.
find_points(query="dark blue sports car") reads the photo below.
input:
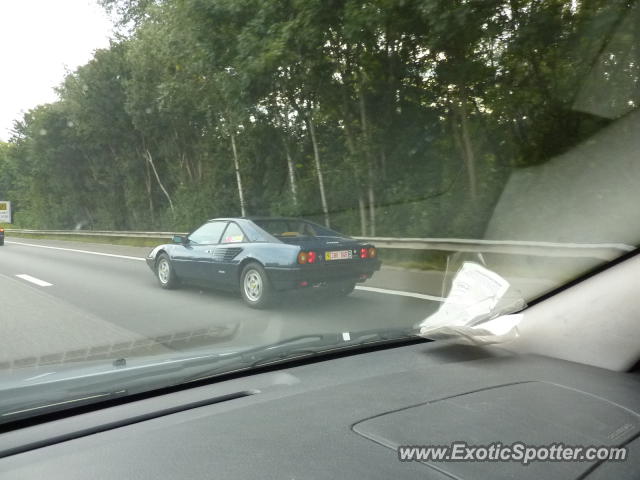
(264, 256)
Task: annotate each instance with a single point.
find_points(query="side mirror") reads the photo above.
(179, 239)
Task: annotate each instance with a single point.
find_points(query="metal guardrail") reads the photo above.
(95, 233)
(605, 251)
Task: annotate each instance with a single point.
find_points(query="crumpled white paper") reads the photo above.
(468, 314)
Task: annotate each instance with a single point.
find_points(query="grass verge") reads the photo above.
(414, 259)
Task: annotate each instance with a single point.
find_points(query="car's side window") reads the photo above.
(233, 234)
(208, 234)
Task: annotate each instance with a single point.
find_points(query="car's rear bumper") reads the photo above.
(288, 278)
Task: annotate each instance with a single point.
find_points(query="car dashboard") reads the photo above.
(345, 417)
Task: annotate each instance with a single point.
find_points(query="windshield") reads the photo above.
(174, 174)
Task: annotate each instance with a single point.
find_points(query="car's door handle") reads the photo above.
(208, 251)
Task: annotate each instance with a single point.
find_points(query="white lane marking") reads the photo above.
(386, 291)
(39, 376)
(126, 257)
(400, 293)
(37, 281)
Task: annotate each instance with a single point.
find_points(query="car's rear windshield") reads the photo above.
(294, 228)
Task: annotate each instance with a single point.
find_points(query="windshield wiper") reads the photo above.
(295, 348)
(89, 386)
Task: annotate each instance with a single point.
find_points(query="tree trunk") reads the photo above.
(155, 172)
(383, 165)
(362, 207)
(316, 157)
(292, 175)
(88, 213)
(466, 146)
(363, 215)
(469, 156)
(372, 203)
(187, 165)
(367, 149)
(147, 181)
(238, 177)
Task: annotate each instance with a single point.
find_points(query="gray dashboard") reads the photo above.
(344, 418)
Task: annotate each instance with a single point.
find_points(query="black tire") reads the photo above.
(165, 274)
(1, 242)
(255, 287)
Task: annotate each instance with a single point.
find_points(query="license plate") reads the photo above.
(339, 255)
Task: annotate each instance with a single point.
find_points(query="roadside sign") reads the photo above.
(5, 212)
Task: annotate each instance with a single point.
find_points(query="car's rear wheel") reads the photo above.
(164, 272)
(255, 288)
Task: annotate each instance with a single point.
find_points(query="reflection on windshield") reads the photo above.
(430, 134)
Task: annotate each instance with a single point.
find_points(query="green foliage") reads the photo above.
(421, 108)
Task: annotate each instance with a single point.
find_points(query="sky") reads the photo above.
(40, 40)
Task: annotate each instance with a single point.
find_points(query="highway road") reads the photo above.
(68, 302)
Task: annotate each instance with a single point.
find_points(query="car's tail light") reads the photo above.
(1, 230)
(364, 252)
(373, 253)
(307, 257)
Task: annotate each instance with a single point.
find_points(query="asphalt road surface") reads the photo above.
(65, 302)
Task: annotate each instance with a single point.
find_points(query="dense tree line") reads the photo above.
(378, 117)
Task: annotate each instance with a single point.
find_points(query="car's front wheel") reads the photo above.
(164, 272)
(255, 288)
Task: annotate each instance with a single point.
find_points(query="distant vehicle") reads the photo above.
(262, 257)
(1, 236)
